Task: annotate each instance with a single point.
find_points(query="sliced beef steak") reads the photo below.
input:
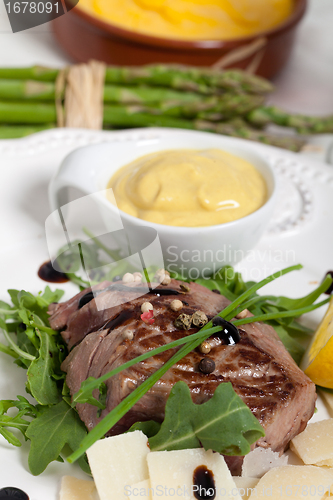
(260, 369)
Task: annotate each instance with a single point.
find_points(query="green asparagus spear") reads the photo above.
(118, 116)
(239, 128)
(27, 90)
(39, 73)
(202, 80)
(27, 113)
(223, 107)
(263, 116)
(129, 116)
(146, 95)
(45, 91)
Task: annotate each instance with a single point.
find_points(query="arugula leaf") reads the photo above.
(32, 307)
(87, 396)
(25, 344)
(41, 384)
(150, 427)
(16, 421)
(49, 296)
(223, 424)
(50, 432)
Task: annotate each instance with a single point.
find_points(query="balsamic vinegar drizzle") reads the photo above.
(46, 272)
(86, 298)
(118, 320)
(229, 333)
(11, 492)
(123, 288)
(204, 483)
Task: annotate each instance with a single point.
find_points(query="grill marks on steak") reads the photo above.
(260, 369)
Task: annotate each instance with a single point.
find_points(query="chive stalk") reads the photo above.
(282, 314)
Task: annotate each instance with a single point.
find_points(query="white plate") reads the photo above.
(300, 232)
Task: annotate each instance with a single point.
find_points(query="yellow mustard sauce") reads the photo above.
(192, 19)
(189, 188)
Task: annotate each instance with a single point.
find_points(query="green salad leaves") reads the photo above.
(50, 423)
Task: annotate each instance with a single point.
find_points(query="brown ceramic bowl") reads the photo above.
(86, 37)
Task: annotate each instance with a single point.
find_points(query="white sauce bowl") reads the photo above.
(193, 250)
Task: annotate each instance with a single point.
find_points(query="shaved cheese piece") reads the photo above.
(296, 482)
(77, 489)
(315, 443)
(117, 462)
(260, 460)
(172, 472)
(139, 490)
(327, 463)
(246, 486)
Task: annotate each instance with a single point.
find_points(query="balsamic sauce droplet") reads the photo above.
(85, 299)
(118, 320)
(11, 492)
(203, 483)
(229, 333)
(47, 272)
(330, 288)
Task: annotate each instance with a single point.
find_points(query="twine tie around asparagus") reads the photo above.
(83, 87)
(60, 85)
(256, 48)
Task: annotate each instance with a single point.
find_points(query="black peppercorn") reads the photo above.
(207, 365)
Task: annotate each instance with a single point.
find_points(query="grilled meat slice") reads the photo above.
(260, 369)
